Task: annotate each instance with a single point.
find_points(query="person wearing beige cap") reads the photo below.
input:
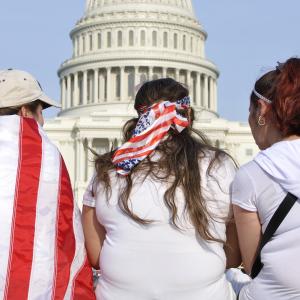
(42, 252)
(21, 94)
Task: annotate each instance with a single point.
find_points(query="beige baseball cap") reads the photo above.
(18, 88)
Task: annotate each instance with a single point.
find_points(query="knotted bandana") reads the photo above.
(151, 128)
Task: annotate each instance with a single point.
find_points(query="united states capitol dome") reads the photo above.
(119, 44)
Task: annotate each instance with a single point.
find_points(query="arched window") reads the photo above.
(120, 38)
(91, 42)
(99, 41)
(108, 39)
(184, 43)
(165, 40)
(154, 38)
(83, 44)
(118, 85)
(131, 38)
(192, 44)
(143, 38)
(175, 40)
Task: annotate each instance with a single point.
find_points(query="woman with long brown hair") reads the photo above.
(266, 191)
(157, 216)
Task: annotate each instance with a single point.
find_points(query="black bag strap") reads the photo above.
(279, 215)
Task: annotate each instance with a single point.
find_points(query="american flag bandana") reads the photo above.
(151, 128)
(42, 253)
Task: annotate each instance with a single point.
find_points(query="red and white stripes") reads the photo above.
(151, 128)
(42, 254)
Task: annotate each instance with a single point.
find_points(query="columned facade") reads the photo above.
(118, 45)
(114, 84)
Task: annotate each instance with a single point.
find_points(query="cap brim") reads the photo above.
(48, 101)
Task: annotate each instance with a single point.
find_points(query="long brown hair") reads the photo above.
(178, 165)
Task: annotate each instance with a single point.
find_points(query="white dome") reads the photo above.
(118, 44)
(180, 7)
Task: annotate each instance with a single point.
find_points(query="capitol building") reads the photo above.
(118, 45)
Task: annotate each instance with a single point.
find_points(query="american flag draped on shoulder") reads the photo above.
(151, 128)
(42, 254)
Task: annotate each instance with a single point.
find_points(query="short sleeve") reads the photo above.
(218, 188)
(243, 191)
(88, 197)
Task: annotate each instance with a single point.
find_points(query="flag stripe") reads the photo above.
(23, 225)
(65, 239)
(43, 256)
(157, 137)
(166, 121)
(144, 154)
(83, 282)
(9, 161)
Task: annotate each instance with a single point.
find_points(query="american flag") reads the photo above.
(42, 253)
(152, 127)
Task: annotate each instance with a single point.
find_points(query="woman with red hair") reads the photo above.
(266, 191)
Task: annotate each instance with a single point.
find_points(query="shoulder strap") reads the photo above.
(273, 225)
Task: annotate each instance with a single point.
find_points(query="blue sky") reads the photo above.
(245, 38)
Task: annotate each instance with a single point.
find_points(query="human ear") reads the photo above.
(25, 112)
(262, 108)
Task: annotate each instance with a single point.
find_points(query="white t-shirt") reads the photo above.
(254, 190)
(158, 261)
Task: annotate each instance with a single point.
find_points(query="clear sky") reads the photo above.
(245, 38)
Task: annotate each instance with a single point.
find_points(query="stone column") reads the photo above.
(96, 86)
(198, 89)
(150, 73)
(177, 74)
(215, 95)
(84, 86)
(205, 91)
(108, 85)
(119, 141)
(211, 93)
(77, 159)
(76, 90)
(69, 91)
(122, 84)
(63, 93)
(188, 80)
(83, 160)
(90, 157)
(80, 160)
(110, 143)
(164, 72)
(136, 76)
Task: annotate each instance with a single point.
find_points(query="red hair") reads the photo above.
(282, 87)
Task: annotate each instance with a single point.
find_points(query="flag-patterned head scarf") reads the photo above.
(153, 125)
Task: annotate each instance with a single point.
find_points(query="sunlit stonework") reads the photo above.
(117, 45)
